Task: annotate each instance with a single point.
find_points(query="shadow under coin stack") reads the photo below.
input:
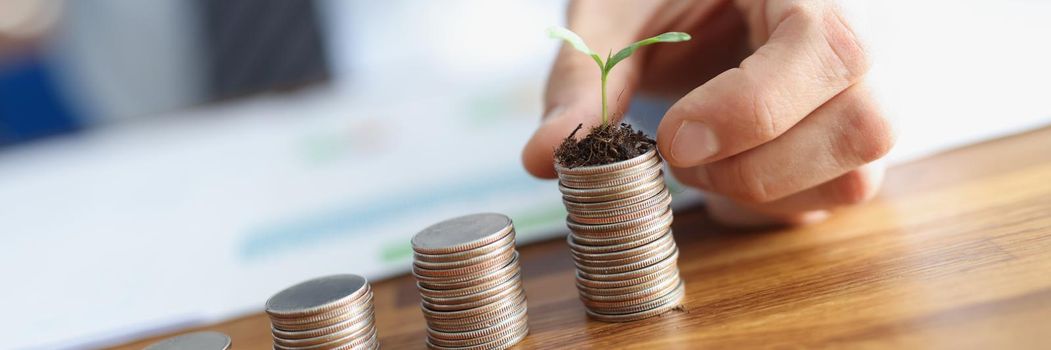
(333, 312)
(206, 340)
(620, 218)
(468, 276)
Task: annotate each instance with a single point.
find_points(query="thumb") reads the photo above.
(574, 97)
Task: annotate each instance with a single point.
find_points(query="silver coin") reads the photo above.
(480, 311)
(452, 264)
(609, 187)
(657, 241)
(445, 274)
(664, 304)
(644, 211)
(639, 190)
(513, 325)
(207, 340)
(505, 342)
(600, 169)
(317, 295)
(591, 245)
(575, 207)
(354, 320)
(664, 272)
(634, 207)
(462, 233)
(335, 317)
(627, 176)
(662, 224)
(500, 325)
(477, 322)
(508, 290)
(329, 317)
(644, 260)
(630, 302)
(613, 174)
(613, 229)
(491, 288)
(645, 202)
(356, 330)
(639, 285)
(471, 275)
(670, 260)
(497, 278)
(616, 251)
(500, 244)
(465, 282)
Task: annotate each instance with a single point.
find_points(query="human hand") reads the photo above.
(773, 117)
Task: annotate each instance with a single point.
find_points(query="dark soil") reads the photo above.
(604, 144)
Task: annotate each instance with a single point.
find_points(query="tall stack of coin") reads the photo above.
(620, 218)
(468, 276)
(332, 312)
(206, 340)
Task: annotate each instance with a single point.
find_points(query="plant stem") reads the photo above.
(605, 116)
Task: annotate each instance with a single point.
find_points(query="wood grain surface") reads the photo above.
(954, 253)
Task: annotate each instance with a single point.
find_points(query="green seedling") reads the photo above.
(605, 66)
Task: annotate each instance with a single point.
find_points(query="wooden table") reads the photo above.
(955, 253)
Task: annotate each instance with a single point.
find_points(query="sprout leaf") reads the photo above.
(575, 40)
(611, 60)
(669, 37)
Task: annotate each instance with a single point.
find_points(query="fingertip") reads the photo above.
(683, 139)
(665, 132)
(536, 160)
(538, 157)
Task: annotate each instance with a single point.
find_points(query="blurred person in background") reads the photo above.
(31, 104)
(66, 65)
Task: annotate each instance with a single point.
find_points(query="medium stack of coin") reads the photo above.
(468, 276)
(332, 312)
(620, 221)
(206, 340)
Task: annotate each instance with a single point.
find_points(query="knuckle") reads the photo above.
(874, 137)
(762, 116)
(757, 105)
(742, 182)
(753, 105)
(843, 52)
(802, 10)
(848, 54)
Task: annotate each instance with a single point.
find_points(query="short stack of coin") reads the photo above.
(620, 218)
(332, 312)
(468, 276)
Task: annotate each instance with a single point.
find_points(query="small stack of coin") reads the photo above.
(332, 312)
(620, 221)
(468, 276)
(207, 340)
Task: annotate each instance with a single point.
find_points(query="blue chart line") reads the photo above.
(356, 217)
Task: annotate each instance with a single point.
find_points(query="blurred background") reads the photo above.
(165, 163)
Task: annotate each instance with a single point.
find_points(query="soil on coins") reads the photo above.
(604, 144)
